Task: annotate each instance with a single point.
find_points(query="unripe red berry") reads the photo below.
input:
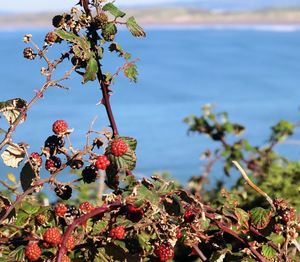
(60, 209)
(102, 162)
(164, 252)
(33, 252)
(70, 243)
(119, 147)
(60, 127)
(52, 236)
(36, 159)
(117, 232)
(86, 207)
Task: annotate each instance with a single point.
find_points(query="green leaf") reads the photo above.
(71, 37)
(130, 141)
(29, 208)
(91, 71)
(268, 252)
(18, 253)
(276, 238)
(115, 11)
(131, 72)
(260, 217)
(114, 47)
(134, 28)
(109, 32)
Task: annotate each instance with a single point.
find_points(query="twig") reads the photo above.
(251, 184)
(199, 252)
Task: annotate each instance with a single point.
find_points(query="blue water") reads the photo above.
(252, 74)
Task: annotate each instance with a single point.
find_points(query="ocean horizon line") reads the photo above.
(255, 27)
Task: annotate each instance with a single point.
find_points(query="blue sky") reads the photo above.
(53, 5)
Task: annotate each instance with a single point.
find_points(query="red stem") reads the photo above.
(81, 220)
(105, 101)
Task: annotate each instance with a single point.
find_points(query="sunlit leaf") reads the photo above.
(134, 28)
(13, 155)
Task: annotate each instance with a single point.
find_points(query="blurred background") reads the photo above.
(241, 56)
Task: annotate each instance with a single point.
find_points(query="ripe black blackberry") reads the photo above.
(53, 143)
(89, 174)
(63, 191)
(133, 245)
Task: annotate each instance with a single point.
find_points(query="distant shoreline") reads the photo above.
(173, 18)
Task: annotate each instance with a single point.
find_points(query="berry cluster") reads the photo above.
(102, 162)
(117, 232)
(60, 127)
(118, 147)
(33, 251)
(164, 252)
(52, 236)
(60, 209)
(86, 207)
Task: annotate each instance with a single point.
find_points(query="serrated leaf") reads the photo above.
(27, 175)
(21, 218)
(132, 142)
(11, 177)
(13, 155)
(2, 131)
(130, 71)
(29, 208)
(115, 11)
(145, 194)
(91, 71)
(268, 252)
(276, 238)
(134, 28)
(243, 218)
(260, 217)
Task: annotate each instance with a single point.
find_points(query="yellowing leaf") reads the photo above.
(11, 177)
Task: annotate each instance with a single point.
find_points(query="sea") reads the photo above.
(251, 72)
